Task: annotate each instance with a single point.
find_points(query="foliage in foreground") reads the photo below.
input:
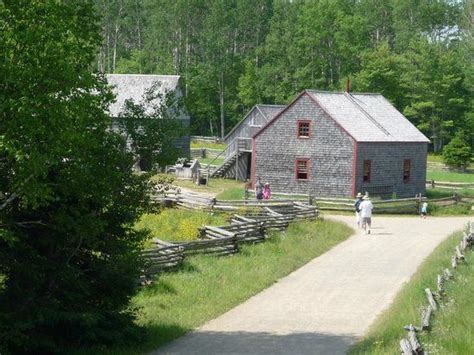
(453, 324)
(209, 286)
(68, 198)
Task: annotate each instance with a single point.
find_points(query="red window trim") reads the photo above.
(370, 171)
(298, 129)
(308, 167)
(409, 170)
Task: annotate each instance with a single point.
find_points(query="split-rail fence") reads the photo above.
(411, 344)
(250, 226)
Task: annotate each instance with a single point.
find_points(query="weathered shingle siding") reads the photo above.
(329, 149)
(387, 168)
(246, 130)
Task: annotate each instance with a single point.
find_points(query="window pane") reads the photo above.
(303, 129)
(302, 169)
(367, 168)
(406, 169)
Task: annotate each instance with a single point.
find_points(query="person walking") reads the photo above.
(259, 190)
(424, 209)
(366, 208)
(267, 192)
(357, 203)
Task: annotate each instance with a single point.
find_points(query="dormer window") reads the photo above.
(304, 129)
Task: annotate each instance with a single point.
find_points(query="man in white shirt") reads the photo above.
(366, 208)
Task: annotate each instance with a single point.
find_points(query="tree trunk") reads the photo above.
(221, 102)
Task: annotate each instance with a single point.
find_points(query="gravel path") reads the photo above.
(323, 307)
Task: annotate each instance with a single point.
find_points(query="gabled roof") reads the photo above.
(133, 86)
(366, 117)
(267, 112)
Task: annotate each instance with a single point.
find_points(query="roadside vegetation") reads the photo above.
(178, 225)
(453, 324)
(207, 286)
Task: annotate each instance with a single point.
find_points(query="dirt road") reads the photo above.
(323, 307)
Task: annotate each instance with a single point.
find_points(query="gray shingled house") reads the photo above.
(239, 141)
(133, 87)
(339, 143)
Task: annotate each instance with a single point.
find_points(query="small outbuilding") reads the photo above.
(337, 144)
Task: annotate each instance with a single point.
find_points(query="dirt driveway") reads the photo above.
(323, 307)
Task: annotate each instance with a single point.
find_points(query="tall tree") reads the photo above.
(68, 198)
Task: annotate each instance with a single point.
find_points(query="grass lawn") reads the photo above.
(439, 193)
(178, 225)
(201, 144)
(215, 186)
(453, 324)
(208, 286)
(205, 161)
(436, 158)
(449, 176)
(236, 193)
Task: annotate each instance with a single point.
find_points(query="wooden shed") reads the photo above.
(337, 144)
(133, 87)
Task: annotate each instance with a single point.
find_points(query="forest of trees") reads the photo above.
(233, 54)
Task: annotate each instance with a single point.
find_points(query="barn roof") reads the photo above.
(133, 86)
(267, 112)
(366, 117)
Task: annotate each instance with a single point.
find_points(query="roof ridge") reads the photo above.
(167, 75)
(361, 109)
(342, 92)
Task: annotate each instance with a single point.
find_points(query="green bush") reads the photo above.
(457, 153)
(178, 225)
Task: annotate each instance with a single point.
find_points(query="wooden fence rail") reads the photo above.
(411, 344)
(225, 240)
(392, 206)
(450, 185)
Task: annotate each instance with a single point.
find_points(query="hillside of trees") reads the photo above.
(233, 54)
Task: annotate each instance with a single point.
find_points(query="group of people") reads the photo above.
(262, 191)
(363, 211)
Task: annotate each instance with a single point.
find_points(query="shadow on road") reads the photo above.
(202, 342)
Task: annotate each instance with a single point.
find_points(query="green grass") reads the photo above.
(437, 158)
(215, 186)
(449, 176)
(440, 193)
(201, 144)
(236, 193)
(178, 225)
(453, 325)
(205, 161)
(207, 286)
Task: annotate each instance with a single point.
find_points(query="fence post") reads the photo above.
(432, 184)
(203, 152)
(237, 162)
